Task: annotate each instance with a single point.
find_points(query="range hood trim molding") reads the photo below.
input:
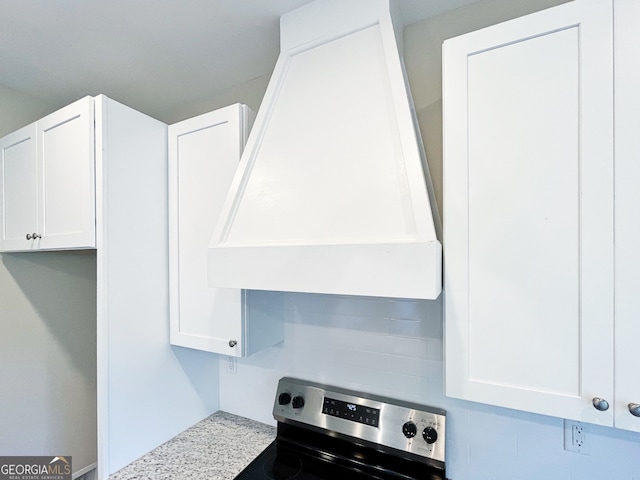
(365, 270)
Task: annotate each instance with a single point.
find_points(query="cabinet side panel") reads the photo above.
(155, 391)
(264, 317)
(524, 214)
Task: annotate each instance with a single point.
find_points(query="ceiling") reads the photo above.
(153, 55)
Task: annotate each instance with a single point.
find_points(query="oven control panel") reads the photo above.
(409, 427)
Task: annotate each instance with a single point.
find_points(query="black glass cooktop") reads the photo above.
(302, 454)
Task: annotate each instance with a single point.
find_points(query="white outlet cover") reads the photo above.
(577, 437)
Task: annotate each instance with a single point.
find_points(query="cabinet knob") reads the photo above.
(600, 404)
(634, 409)
(232, 343)
(28, 236)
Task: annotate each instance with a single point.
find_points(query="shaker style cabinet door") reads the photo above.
(18, 189)
(65, 143)
(528, 213)
(204, 152)
(203, 156)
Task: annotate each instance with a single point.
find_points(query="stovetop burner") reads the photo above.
(281, 465)
(330, 433)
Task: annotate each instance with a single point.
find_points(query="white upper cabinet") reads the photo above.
(48, 186)
(203, 156)
(528, 213)
(627, 203)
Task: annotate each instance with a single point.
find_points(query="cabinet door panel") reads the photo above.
(204, 155)
(66, 168)
(526, 192)
(627, 205)
(529, 212)
(18, 188)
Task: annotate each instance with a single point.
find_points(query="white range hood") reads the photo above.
(330, 195)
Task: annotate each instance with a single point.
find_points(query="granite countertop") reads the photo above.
(217, 448)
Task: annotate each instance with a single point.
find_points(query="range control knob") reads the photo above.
(297, 402)
(284, 398)
(409, 429)
(430, 435)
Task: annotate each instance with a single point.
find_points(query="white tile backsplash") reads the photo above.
(394, 347)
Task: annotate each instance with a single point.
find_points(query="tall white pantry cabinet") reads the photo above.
(147, 391)
(541, 206)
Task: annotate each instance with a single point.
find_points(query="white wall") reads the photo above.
(18, 110)
(386, 346)
(250, 93)
(48, 355)
(394, 347)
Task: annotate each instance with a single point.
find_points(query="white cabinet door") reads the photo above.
(627, 232)
(528, 212)
(18, 189)
(203, 157)
(66, 177)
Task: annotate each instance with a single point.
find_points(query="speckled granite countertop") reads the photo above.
(217, 448)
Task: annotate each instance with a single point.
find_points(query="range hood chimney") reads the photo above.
(330, 195)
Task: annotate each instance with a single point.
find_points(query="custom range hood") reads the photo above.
(330, 195)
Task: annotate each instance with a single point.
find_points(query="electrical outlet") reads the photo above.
(232, 365)
(576, 438)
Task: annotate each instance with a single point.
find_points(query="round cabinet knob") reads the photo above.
(28, 236)
(634, 409)
(600, 404)
(233, 343)
(409, 429)
(430, 435)
(297, 402)
(284, 398)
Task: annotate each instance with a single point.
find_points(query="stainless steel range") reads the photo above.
(333, 433)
